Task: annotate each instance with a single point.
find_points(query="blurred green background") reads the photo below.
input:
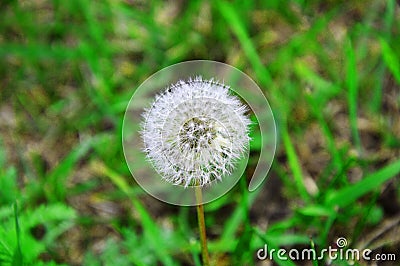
(330, 70)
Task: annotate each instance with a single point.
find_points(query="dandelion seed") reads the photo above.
(195, 132)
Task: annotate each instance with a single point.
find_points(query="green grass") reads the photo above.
(330, 71)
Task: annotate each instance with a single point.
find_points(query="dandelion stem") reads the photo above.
(202, 227)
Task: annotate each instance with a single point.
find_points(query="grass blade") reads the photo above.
(17, 258)
(372, 181)
(294, 165)
(391, 60)
(352, 86)
(151, 230)
(234, 21)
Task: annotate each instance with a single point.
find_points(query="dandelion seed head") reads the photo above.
(195, 132)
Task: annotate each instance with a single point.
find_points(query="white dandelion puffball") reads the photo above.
(195, 132)
(181, 133)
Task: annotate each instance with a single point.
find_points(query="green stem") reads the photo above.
(202, 227)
